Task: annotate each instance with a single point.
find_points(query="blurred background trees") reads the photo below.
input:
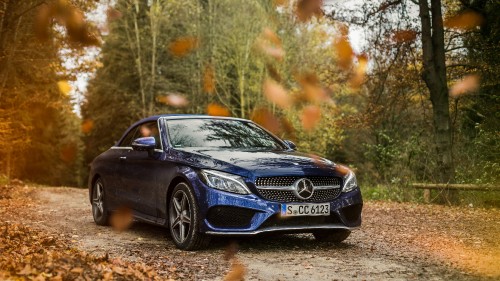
(288, 65)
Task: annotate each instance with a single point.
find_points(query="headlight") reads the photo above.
(350, 182)
(224, 181)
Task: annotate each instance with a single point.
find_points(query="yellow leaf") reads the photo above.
(64, 87)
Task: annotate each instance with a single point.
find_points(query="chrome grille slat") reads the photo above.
(279, 189)
(289, 180)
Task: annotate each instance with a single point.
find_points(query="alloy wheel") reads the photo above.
(98, 200)
(180, 216)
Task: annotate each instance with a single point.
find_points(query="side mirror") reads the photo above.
(144, 144)
(290, 144)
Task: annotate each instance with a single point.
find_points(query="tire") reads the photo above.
(336, 236)
(184, 220)
(99, 208)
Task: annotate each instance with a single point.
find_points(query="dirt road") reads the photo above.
(398, 241)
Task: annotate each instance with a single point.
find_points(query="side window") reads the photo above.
(127, 140)
(148, 129)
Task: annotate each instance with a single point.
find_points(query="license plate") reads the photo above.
(305, 209)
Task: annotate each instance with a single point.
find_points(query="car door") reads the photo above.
(139, 175)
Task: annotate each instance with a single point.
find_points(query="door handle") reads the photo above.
(123, 158)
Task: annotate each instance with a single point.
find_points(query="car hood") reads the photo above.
(259, 163)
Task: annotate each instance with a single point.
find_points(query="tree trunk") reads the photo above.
(434, 75)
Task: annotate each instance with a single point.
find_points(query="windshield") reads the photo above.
(220, 133)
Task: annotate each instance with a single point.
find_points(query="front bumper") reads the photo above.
(232, 214)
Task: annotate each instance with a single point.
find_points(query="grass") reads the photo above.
(403, 193)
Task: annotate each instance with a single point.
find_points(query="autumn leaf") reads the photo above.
(266, 119)
(402, 36)
(344, 52)
(310, 117)
(468, 84)
(276, 94)
(113, 14)
(42, 22)
(236, 272)
(270, 44)
(209, 79)
(217, 110)
(69, 153)
(175, 100)
(312, 89)
(465, 21)
(231, 250)
(271, 36)
(183, 46)
(121, 218)
(64, 87)
(87, 126)
(359, 73)
(306, 9)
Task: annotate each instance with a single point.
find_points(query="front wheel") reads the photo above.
(184, 220)
(336, 236)
(99, 208)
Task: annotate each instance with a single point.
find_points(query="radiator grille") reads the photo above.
(288, 181)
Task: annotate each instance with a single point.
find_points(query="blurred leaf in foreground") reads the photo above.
(465, 20)
(468, 84)
(276, 94)
(217, 110)
(121, 219)
(183, 46)
(64, 87)
(310, 116)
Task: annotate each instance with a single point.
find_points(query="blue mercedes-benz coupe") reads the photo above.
(202, 176)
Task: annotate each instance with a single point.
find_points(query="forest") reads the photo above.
(406, 93)
(414, 101)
